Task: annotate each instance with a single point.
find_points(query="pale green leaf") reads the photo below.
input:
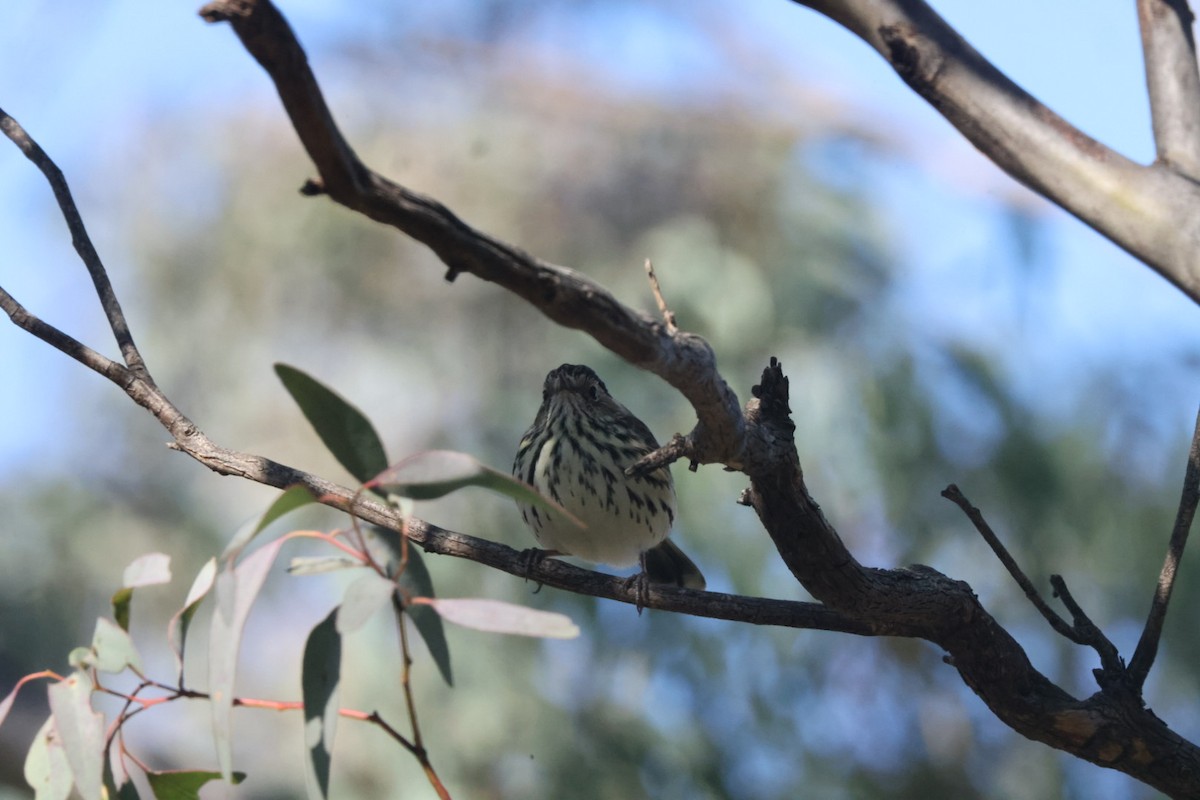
(496, 616)
(320, 677)
(315, 565)
(81, 730)
(147, 570)
(47, 770)
(290, 500)
(435, 473)
(114, 648)
(177, 628)
(236, 590)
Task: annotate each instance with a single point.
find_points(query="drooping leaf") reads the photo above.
(436, 473)
(345, 430)
(315, 565)
(116, 777)
(177, 628)
(184, 784)
(362, 599)
(81, 731)
(147, 570)
(121, 600)
(47, 770)
(236, 589)
(291, 499)
(496, 616)
(114, 648)
(319, 678)
(7, 703)
(416, 581)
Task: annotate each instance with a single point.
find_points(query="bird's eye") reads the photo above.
(594, 391)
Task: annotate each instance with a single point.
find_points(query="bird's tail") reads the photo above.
(666, 563)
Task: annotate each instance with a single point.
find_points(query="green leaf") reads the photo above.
(291, 499)
(362, 599)
(184, 784)
(319, 678)
(345, 430)
(81, 731)
(236, 589)
(436, 473)
(315, 565)
(113, 648)
(415, 581)
(120, 606)
(177, 628)
(499, 617)
(47, 770)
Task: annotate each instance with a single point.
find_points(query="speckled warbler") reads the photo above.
(576, 453)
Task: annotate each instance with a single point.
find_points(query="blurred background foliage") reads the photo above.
(756, 205)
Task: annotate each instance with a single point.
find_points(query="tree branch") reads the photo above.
(683, 359)
(1152, 212)
(1147, 647)
(80, 239)
(1173, 82)
(1060, 625)
(1111, 728)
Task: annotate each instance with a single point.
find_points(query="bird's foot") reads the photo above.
(530, 559)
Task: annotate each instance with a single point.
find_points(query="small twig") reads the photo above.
(667, 314)
(80, 239)
(1112, 667)
(955, 495)
(418, 748)
(1147, 647)
(1083, 631)
(669, 453)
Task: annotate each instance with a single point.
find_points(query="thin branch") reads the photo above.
(1169, 51)
(1112, 667)
(1149, 211)
(567, 297)
(80, 239)
(667, 314)
(61, 341)
(1147, 647)
(1060, 625)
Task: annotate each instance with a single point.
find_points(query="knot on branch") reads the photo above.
(772, 395)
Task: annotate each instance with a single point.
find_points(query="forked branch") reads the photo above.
(1150, 211)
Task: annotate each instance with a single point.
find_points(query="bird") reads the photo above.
(576, 453)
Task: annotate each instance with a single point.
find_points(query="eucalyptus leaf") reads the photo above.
(320, 677)
(345, 431)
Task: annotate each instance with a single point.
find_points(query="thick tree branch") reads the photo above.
(1173, 82)
(572, 300)
(1111, 728)
(1153, 212)
(1147, 647)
